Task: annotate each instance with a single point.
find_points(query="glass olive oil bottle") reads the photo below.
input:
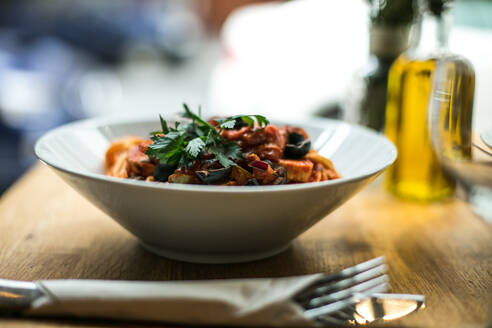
(417, 173)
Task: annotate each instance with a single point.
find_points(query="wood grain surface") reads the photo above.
(48, 231)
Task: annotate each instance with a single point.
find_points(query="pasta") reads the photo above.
(246, 154)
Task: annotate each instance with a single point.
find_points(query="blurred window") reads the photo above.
(473, 13)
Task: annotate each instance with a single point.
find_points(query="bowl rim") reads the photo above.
(146, 117)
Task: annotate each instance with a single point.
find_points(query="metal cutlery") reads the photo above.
(363, 309)
(353, 296)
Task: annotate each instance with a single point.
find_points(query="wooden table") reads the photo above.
(442, 250)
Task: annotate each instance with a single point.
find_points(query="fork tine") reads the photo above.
(353, 280)
(346, 304)
(345, 293)
(343, 274)
(353, 270)
(326, 310)
(345, 283)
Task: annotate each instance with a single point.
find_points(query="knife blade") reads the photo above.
(364, 309)
(386, 307)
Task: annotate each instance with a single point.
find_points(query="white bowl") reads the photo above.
(212, 224)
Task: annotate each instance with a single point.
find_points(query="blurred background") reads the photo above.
(67, 60)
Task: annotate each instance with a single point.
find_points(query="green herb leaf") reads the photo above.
(248, 120)
(165, 129)
(189, 114)
(221, 156)
(186, 142)
(195, 147)
(262, 120)
(233, 151)
(229, 124)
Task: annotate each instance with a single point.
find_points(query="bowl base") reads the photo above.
(213, 258)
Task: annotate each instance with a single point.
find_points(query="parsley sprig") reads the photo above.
(182, 144)
(249, 120)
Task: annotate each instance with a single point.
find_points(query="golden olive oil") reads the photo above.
(417, 173)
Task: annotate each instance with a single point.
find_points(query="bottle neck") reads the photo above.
(432, 33)
(388, 42)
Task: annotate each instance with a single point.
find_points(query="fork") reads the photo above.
(335, 292)
(356, 296)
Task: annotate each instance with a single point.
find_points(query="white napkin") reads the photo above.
(242, 302)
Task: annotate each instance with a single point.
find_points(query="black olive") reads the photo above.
(296, 151)
(163, 171)
(295, 138)
(214, 176)
(252, 182)
(297, 146)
